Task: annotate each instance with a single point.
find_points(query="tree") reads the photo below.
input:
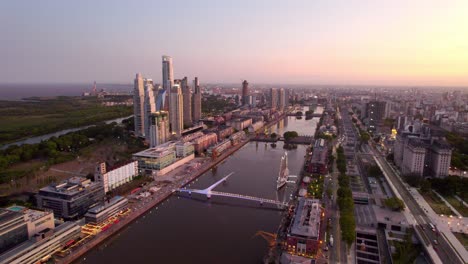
(365, 137)
(395, 204)
(425, 186)
(374, 171)
(289, 135)
(273, 135)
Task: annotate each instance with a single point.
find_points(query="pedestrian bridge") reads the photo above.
(209, 193)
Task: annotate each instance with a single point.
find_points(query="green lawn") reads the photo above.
(26, 119)
(437, 204)
(463, 210)
(463, 238)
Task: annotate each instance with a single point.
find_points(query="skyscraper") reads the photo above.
(176, 112)
(167, 78)
(196, 113)
(245, 92)
(150, 104)
(161, 99)
(281, 99)
(139, 105)
(274, 98)
(187, 95)
(159, 128)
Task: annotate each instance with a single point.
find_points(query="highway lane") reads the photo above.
(443, 249)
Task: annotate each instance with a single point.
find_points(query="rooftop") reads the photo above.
(30, 213)
(7, 215)
(71, 186)
(101, 207)
(307, 219)
(158, 151)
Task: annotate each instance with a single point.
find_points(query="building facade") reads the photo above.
(304, 235)
(139, 105)
(187, 97)
(42, 245)
(375, 114)
(245, 93)
(413, 158)
(167, 75)
(159, 128)
(197, 96)
(204, 142)
(281, 99)
(101, 212)
(150, 105)
(274, 98)
(71, 198)
(176, 112)
(318, 163)
(13, 229)
(117, 176)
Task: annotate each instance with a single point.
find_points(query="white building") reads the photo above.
(150, 105)
(116, 177)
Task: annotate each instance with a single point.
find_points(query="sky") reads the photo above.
(349, 42)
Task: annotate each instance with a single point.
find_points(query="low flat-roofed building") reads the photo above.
(304, 233)
(101, 212)
(36, 220)
(240, 123)
(219, 148)
(204, 142)
(390, 220)
(319, 160)
(163, 158)
(71, 198)
(156, 158)
(237, 137)
(42, 245)
(13, 229)
(184, 149)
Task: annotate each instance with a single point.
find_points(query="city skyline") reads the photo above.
(352, 43)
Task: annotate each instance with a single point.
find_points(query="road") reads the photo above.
(443, 249)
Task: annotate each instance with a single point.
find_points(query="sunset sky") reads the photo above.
(417, 42)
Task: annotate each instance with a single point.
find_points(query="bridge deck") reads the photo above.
(234, 195)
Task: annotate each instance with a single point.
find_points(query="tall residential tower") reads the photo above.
(274, 98)
(167, 77)
(196, 103)
(187, 95)
(139, 105)
(176, 112)
(245, 93)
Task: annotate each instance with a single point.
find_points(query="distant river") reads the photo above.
(38, 139)
(194, 230)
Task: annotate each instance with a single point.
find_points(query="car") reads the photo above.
(436, 242)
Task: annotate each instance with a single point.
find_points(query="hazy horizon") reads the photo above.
(391, 43)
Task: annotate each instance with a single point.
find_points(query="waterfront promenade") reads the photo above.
(145, 206)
